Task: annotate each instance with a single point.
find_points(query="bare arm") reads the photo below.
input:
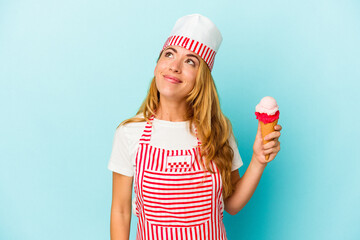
(245, 186)
(121, 207)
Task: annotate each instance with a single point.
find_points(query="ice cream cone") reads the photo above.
(267, 128)
(267, 112)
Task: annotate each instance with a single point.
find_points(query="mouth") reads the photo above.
(172, 79)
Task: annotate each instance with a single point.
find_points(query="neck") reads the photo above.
(172, 111)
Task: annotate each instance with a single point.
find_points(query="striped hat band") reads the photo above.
(206, 53)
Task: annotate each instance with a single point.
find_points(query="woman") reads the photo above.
(179, 150)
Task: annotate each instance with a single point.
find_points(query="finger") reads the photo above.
(270, 136)
(273, 150)
(268, 151)
(278, 127)
(270, 144)
(272, 157)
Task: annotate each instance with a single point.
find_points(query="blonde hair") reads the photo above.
(203, 110)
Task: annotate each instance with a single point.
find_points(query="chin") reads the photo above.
(170, 96)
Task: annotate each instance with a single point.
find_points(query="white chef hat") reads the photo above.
(197, 34)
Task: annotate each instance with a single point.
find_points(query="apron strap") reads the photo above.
(196, 133)
(146, 135)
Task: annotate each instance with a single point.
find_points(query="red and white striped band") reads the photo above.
(206, 53)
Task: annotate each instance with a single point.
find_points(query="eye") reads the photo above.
(168, 54)
(190, 61)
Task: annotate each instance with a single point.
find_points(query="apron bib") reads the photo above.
(175, 197)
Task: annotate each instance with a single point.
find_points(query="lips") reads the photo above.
(172, 79)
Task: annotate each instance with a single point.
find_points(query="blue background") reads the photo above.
(71, 71)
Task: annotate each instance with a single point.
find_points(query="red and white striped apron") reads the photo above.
(175, 197)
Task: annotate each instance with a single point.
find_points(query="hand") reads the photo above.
(272, 147)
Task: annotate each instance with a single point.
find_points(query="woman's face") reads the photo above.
(175, 73)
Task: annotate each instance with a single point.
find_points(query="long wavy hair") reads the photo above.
(213, 127)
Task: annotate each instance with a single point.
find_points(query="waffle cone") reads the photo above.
(267, 128)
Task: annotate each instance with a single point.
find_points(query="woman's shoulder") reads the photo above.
(131, 128)
(136, 121)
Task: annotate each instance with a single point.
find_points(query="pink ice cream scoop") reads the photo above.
(267, 110)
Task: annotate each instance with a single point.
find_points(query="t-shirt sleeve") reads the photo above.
(120, 160)
(237, 161)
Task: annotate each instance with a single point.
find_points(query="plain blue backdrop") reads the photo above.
(71, 71)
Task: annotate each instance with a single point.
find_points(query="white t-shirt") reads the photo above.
(165, 134)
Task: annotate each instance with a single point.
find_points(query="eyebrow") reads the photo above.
(189, 55)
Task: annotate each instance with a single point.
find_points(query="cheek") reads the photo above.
(159, 68)
(156, 70)
(189, 85)
(192, 80)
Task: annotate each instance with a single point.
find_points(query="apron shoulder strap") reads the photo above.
(146, 134)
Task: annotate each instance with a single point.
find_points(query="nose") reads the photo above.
(175, 65)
